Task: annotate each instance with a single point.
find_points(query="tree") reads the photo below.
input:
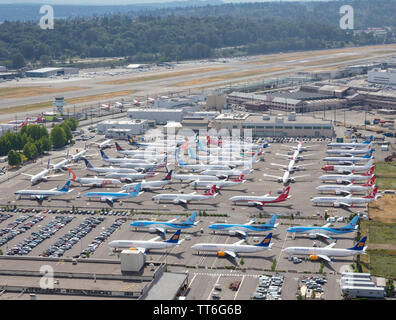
(18, 60)
(67, 130)
(30, 150)
(58, 136)
(389, 288)
(45, 143)
(14, 158)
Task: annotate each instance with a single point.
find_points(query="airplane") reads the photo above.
(95, 182)
(226, 173)
(325, 231)
(262, 200)
(286, 177)
(163, 226)
(347, 201)
(42, 175)
(352, 159)
(177, 198)
(236, 162)
(148, 185)
(43, 194)
(193, 177)
(104, 144)
(35, 120)
(350, 144)
(242, 229)
(291, 167)
(295, 156)
(90, 167)
(129, 177)
(207, 158)
(300, 147)
(146, 165)
(341, 178)
(62, 164)
(325, 253)
(161, 144)
(79, 155)
(350, 188)
(230, 150)
(219, 184)
(350, 169)
(234, 248)
(111, 196)
(148, 155)
(198, 167)
(350, 152)
(215, 142)
(119, 160)
(145, 245)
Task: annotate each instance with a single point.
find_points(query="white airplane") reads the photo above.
(325, 253)
(161, 144)
(119, 160)
(79, 155)
(352, 168)
(62, 164)
(368, 156)
(90, 167)
(233, 249)
(300, 147)
(139, 154)
(146, 245)
(291, 167)
(194, 177)
(104, 144)
(95, 182)
(262, 200)
(349, 152)
(347, 201)
(198, 167)
(350, 188)
(286, 178)
(219, 184)
(350, 144)
(342, 178)
(295, 156)
(149, 185)
(129, 177)
(226, 173)
(42, 176)
(243, 229)
(186, 198)
(43, 194)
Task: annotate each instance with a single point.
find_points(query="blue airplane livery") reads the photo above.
(242, 229)
(326, 231)
(111, 196)
(162, 226)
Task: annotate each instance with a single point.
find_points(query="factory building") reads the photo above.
(48, 72)
(291, 125)
(386, 77)
(360, 285)
(120, 129)
(159, 115)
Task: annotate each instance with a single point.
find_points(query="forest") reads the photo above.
(194, 33)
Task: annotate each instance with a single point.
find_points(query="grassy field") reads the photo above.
(385, 173)
(162, 76)
(382, 263)
(20, 92)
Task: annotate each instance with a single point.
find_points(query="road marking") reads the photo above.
(240, 285)
(211, 291)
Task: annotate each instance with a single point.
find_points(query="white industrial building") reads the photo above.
(48, 72)
(360, 285)
(159, 115)
(382, 76)
(120, 129)
(4, 127)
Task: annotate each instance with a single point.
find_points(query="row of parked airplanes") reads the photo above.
(242, 229)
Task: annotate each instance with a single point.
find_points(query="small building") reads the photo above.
(159, 115)
(386, 77)
(122, 128)
(360, 285)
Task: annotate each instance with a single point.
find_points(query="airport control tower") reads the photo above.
(59, 103)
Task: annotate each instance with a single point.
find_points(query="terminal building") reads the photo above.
(385, 77)
(48, 72)
(279, 125)
(120, 129)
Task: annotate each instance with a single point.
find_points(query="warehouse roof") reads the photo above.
(167, 287)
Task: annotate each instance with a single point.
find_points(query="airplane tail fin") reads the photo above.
(368, 154)
(66, 187)
(368, 140)
(359, 246)
(104, 156)
(136, 190)
(352, 224)
(370, 182)
(169, 175)
(369, 171)
(372, 194)
(211, 192)
(175, 238)
(72, 174)
(191, 219)
(87, 163)
(48, 164)
(284, 194)
(266, 241)
(240, 178)
(131, 141)
(271, 222)
(118, 147)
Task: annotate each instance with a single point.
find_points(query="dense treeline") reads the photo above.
(193, 33)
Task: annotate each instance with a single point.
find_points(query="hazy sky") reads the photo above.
(113, 2)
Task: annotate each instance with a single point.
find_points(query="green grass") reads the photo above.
(382, 263)
(385, 173)
(382, 233)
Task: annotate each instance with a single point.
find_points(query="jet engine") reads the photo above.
(221, 254)
(232, 232)
(152, 230)
(312, 235)
(313, 257)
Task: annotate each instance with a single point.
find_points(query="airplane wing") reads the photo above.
(326, 225)
(268, 175)
(162, 230)
(324, 257)
(323, 235)
(331, 245)
(231, 253)
(283, 155)
(172, 220)
(143, 250)
(155, 238)
(239, 241)
(241, 233)
(280, 165)
(345, 204)
(304, 175)
(53, 176)
(26, 174)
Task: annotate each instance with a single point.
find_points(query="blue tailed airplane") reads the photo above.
(162, 226)
(247, 227)
(326, 231)
(111, 196)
